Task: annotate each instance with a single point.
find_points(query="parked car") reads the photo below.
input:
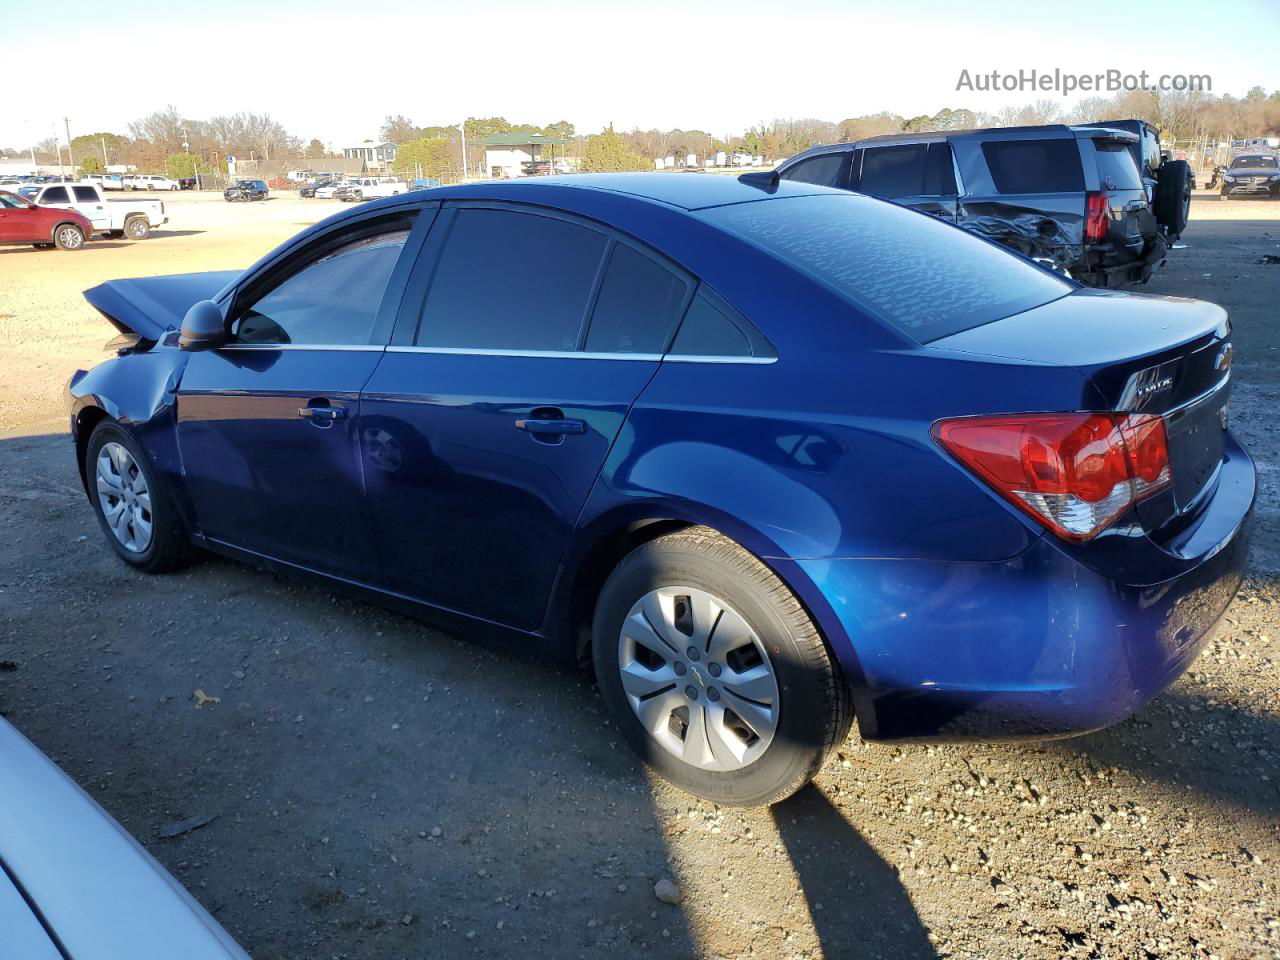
(188, 183)
(1167, 179)
(370, 188)
(328, 190)
(21, 221)
(246, 190)
(107, 181)
(150, 182)
(1252, 175)
(132, 218)
(1069, 197)
(770, 455)
(75, 884)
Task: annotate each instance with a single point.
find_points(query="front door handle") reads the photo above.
(321, 414)
(552, 426)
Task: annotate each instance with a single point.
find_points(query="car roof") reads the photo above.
(684, 191)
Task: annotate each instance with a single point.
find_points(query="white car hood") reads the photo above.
(71, 874)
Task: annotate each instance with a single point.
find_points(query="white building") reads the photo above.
(507, 155)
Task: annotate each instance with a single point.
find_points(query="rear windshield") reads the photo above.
(1115, 163)
(1034, 166)
(926, 277)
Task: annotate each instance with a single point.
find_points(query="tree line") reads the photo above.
(165, 140)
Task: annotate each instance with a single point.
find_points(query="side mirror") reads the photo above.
(203, 327)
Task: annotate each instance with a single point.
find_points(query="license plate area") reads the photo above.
(1196, 445)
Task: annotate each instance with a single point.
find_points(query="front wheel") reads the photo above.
(714, 672)
(132, 504)
(68, 237)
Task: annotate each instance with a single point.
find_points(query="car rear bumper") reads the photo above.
(1035, 647)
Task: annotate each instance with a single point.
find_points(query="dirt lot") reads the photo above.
(382, 790)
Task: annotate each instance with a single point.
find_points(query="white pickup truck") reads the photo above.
(370, 188)
(115, 218)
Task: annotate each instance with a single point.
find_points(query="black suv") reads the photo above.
(1252, 174)
(1070, 197)
(246, 190)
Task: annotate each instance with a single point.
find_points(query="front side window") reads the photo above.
(926, 277)
(11, 202)
(891, 172)
(823, 171)
(508, 280)
(1034, 166)
(56, 195)
(333, 299)
(637, 306)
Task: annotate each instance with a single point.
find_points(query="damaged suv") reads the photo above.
(1071, 198)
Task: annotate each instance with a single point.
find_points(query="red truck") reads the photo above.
(21, 221)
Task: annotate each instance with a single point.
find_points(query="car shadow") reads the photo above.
(857, 904)
(90, 245)
(176, 233)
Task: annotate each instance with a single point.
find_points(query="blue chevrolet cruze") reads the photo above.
(772, 456)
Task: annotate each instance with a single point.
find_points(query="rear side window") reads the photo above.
(55, 195)
(708, 332)
(939, 173)
(638, 304)
(1116, 167)
(925, 277)
(823, 171)
(85, 194)
(1034, 166)
(511, 281)
(891, 172)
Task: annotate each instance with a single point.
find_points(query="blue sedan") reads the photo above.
(771, 456)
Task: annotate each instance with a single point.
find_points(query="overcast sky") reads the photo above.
(334, 70)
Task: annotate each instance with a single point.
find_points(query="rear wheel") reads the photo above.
(133, 507)
(137, 228)
(713, 671)
(67, 236)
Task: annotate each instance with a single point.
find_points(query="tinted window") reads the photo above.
(637, 305)
(11, 202)
(332, 300)
(1115, 164)
(55, 195)
(707, 332)
(511, 281)
(939, 174)
(85, 194)
(893, 171)
(924, 276)
(823, 171)
(1034, 166)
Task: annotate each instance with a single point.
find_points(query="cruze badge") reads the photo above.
(1148, 390)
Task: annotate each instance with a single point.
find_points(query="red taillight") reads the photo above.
(1097, 217)
(1074, 472)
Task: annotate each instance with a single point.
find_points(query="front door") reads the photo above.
(508, 381)
(267, 425)
(18, 220)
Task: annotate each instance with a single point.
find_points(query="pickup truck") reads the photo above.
(115, 218)
(369, 188)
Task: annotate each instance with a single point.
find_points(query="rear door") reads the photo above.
(916, 175)
(90, 203)
(267, 424)
(523, 340)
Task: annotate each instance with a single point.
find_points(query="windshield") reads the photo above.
(1265, 163)
(926, 277)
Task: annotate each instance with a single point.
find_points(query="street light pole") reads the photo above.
(71, 161)
(462, 128)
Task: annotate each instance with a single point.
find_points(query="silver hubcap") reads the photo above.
(70, 237)
(124, 497)
(136, 229)
(698, 678)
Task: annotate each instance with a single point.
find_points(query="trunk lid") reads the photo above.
(1141, 354)
(151, 306)
(1120, 182)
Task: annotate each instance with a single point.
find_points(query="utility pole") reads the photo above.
(71, 161)
(62, 171)
(104, 154)
(462, 128)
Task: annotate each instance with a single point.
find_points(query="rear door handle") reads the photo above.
(321, 414)
(552, 426)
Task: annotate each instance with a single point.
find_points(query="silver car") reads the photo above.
(73, 883)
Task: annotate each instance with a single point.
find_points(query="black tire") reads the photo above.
(1173, 196)
(814, 709)
(43, 246)
(170, 548)
(137, 228)
(68, 236)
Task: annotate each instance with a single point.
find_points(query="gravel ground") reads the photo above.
(382, 790)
